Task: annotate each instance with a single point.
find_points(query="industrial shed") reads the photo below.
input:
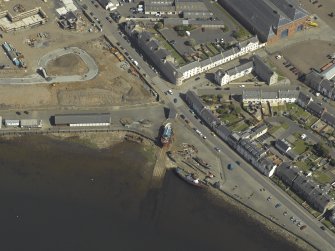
(31, 123)
(94, 119)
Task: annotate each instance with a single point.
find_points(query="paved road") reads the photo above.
(93, 69)
(111, 31)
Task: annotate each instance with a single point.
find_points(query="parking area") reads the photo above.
(308, 54)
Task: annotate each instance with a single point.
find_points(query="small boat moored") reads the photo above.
(189, 177)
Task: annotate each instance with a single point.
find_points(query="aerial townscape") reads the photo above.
(236, 98)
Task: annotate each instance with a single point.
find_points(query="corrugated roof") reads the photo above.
(65, 119)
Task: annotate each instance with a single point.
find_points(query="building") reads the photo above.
(250, 151)
(166, 63)
(303, 100)
(259, 68)
(12, 122)
(320, 84)
(264, 72)
(109, 4)
(271, 97)
(270, 20)
(306, 188)
(224, 77)
(103, 119)
(258, 131)
(329, 73)
(68, 21)
(315, 109)
(24, 20)
(328, 118)
(31, 123)
(191, 9)
(282, 145)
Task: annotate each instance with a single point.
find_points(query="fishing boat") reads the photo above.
(189, 177)
(167, 134)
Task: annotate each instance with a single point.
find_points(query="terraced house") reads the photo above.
(270, 20)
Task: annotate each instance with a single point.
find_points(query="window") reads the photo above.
(300, 27)
(284, 33)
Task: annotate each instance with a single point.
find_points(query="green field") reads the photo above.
(299, 146)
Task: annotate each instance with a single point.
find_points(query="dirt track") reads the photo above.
(69, 64)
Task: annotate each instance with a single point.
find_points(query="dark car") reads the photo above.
(175, 100)
(323, 227)
(197, 78)
(237, 162)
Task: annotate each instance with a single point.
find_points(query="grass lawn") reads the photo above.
(299, 146)
(273, 129)
(303, 166)
(240, 127)
(310, 121)
(321, 177)
(229, 118)
(212, 48)
(180, 60)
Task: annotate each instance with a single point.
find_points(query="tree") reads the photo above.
(321, 150)
(158, 26)
(190, 42)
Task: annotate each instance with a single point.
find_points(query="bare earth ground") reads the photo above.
(66, 65)
(309, 54)
(113, 86)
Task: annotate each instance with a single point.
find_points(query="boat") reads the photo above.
(202, 162)
(167, 134)
(189, 177)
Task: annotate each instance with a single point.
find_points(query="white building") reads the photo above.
(109, 4)
(271, 97)
(224, 77)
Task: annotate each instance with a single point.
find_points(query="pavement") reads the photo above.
(250, 183)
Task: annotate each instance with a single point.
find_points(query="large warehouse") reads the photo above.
(270, 20)
(94, 119)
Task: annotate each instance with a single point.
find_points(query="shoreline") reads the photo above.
(105, 140)
(219, 195)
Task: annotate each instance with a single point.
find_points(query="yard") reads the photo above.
(300, 146)
(321, 177)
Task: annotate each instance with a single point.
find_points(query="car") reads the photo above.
(187, 121)
(285, 213)
(303, 227)
(230, 166)
(175, 100)
(18, 113)
(217, 149)
(218, 88)
(182, 116)
(197, 78)
(170, 92)
(26, 112)
(323, 227)
(204, 137)
(196, 117)
(237, 162)
(277, 205)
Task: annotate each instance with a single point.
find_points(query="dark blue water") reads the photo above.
(63, 196)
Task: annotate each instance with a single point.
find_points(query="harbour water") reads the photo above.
(58, 195)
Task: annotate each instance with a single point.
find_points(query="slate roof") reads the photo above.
(328, 118)
(194, 101)
(282, 145)
(239, 68)
(304, 99)
(315, 108)
(265, 15)
(287, 173)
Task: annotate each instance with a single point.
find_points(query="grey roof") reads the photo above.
(326, 86)
(223, 131)
(315, 108)
(291, 94)
(288, 94)
(266, 165)
(282, 145)
(265, 16)
(328, 118)
(209, 118)
(262, 69)
(194, 101)
(313, 79)
(259, 128)
(239, 68)
(304, 99)
(64, 119)
(287, 173)
(255, 151)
